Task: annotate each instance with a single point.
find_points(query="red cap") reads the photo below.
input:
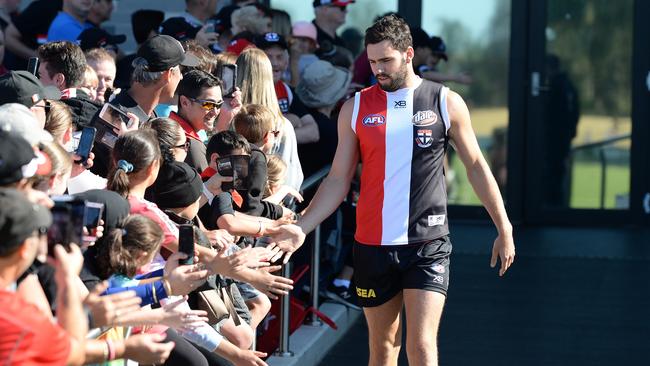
(238, 46)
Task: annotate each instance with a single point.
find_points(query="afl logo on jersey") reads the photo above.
(425, 138)
(373, 120)
(424, 118)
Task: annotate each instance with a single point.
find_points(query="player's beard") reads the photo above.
(396, 80)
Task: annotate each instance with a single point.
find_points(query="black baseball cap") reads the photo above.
(24, 88)
(438, 46)
(99, 38)
(163, 52)
(15, 153)
(269, 40)
(19, 219)
(178, 28)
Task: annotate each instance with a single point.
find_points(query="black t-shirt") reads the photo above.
(124, 72)
(316, 155)
(297, 107)
(33, 24)
(221, 205)
(325, 41)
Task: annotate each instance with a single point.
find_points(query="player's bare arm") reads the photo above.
(331, 192)
(478, 172)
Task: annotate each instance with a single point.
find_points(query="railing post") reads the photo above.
(603, 177)
(283, 348)
(315, 274)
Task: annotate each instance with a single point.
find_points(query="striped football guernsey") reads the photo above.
(402, 140)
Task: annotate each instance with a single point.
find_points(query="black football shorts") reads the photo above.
(381, 272)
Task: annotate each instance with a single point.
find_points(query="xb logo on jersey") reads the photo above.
(424, 118)
(373, 120)
(424, 138)
(399, 104)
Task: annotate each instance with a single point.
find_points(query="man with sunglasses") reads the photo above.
(330, 15)
(199, 104)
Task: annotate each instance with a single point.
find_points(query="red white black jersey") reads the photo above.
(402, 140)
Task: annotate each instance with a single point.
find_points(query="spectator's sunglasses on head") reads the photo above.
(208, 105)
(185, 146)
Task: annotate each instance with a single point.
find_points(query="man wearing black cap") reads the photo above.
(24, 88)
(277, 50)
(28, 336)
(430, 70)
(155, 78)
(330, 15)
(99, 38)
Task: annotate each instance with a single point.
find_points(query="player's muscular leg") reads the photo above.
(423, 311)
(385, 332)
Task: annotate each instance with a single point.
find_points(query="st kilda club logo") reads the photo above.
(424, 138)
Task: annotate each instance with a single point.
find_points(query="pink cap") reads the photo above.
(304, 29)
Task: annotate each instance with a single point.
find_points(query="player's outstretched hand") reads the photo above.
(504, 249)
(286, 237)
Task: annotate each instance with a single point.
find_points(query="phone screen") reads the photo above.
(113, 115)
(240, 171)
(86, 143)
(110, 117)
(67, 222)
(32, 66)
(224, 167)
(92, 216)
(228, 75)
(186, 243)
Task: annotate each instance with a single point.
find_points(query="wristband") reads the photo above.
(260, 230)
(111, 350)
(153, 292)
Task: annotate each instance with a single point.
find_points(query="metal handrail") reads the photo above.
(283, 348)
(600, 145)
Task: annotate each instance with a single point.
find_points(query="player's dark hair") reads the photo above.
(391, 28)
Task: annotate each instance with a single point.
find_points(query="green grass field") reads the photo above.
(586, 182)
(585, 185)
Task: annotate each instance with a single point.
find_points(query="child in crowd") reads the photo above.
(276, 191)
(90, 82)
(255, 123)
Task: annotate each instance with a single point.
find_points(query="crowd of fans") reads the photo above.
(211, 125)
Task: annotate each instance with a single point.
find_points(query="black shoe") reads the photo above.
(342, 295)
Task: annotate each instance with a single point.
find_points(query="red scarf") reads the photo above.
(187, 127)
